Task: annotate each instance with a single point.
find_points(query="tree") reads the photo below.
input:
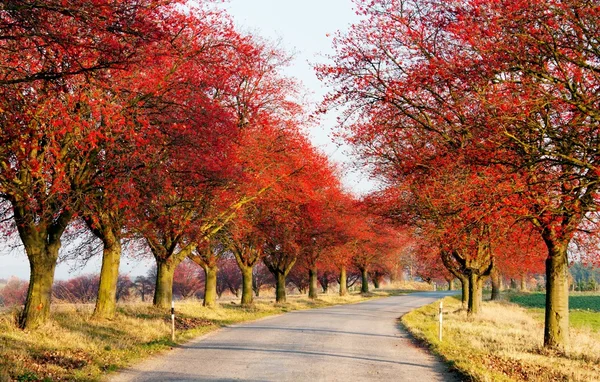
(229, 276)
(59, 39)
(511, 84)
(145, 285)
(53, 98)
(14, 292)
(261, 277)
(187, 280)
(208, 256)
(81, 289)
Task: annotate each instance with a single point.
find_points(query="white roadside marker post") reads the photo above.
(441, 319)
(172, 320)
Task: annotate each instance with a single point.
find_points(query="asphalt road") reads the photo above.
(359, 342)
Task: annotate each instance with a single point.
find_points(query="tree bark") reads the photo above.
(464, 282)
(474, 303)
(556, 328)
(280, 294)
(343, 281)
(163, 294)
(523, 283)
(106, 303)
(247, 292)
(376, 282)
(495, 284)
(42, 262)
(312, 283)
(210, 286)
(364, 288)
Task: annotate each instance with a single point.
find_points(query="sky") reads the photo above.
(304, 29)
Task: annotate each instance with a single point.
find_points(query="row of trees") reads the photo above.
(481, 117)
(188, 282)
(156, 123)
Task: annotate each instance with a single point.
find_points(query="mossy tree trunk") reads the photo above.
(41, 240)
(364, 288)
(376, 281)
(247, 292)
(464, 283)
(207, 258)
(280, 264)
(106, 303)
(246, 257)
(312, 283)
(474, 267)
(163, 292)
(474, 303)
(107, 227)
(556, 328)
(523, 283)
(495, 275)
(451, 284)
(42, 261)
(280, 292)
(210, 285)
(167, 260)
(343, 281)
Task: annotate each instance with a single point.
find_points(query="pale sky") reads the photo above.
(302, 27)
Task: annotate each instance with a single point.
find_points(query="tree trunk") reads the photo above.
(495, 284)
(106, 303)
(364, 288)
(451, 284)
(376, 282)
(247, 292)
(312, 283)
(280, 295)
(42, 261)
(343, 282)
(474, 303)
(210, 285)
(556, 328)
(163, 294)
(464, 282)
(524, 283)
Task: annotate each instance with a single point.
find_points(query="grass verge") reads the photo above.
(504, 343)
(73, 346)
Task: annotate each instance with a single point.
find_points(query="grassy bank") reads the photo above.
(72, 346)
(504, 343)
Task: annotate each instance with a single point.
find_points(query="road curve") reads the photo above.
(357, 342)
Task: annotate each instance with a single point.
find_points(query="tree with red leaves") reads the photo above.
(60, 59)
(187, 280)
(14, 292)
(511, 84)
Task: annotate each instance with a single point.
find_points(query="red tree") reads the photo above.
(508, 84)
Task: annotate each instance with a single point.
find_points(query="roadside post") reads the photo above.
(173, 320)
(441, 319)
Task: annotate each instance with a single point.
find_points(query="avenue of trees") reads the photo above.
(155, 125)
(482, 120)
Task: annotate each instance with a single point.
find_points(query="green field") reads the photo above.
(584, 307)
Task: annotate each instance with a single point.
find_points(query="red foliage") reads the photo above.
(14, 292)
(188, 280)
(81, 289)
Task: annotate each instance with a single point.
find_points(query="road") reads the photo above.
(358, 342)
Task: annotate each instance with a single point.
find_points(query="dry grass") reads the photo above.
(73, 346)
(504, 343)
